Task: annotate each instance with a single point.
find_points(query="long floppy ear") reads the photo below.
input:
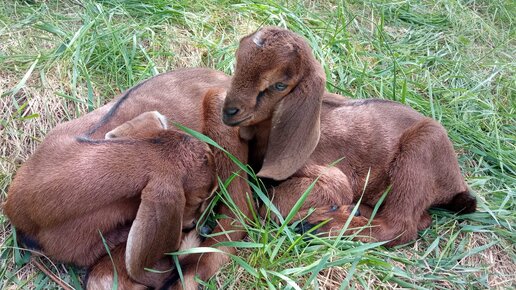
(156, 230)
(295, 128)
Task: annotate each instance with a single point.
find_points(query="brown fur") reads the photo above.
(155, 178)
(294, 133)
(74, 183)
(101, 275)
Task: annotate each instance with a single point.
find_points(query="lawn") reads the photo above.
(451, 60)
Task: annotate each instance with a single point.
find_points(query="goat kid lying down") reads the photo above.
(77, 183)
(141, 188)
(295, 129)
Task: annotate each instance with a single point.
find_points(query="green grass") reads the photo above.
(450, 60)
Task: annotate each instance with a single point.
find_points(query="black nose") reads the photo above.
(229, 112)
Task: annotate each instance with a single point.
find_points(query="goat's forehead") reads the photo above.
(267, 39)
(258, 58)
(252, 61)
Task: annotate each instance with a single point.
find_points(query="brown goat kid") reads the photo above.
(295, 129)
(157, 179)
(86, 177)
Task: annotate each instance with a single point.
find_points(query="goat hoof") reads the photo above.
(303, 227)
(205, 230)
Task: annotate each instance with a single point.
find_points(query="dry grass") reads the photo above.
(451, 60)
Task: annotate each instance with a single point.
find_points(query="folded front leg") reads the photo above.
(331, 190)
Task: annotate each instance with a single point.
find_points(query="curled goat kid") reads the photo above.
(295, 129)
(140, 188)
(90, 173)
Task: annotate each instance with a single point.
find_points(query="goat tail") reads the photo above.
(462, 203)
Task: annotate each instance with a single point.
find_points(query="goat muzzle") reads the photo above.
(230, 116)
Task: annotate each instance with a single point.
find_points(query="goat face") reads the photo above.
(277, 81)
(268, 67)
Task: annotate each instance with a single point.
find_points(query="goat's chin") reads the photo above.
(241, 122)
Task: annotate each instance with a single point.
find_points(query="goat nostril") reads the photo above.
(231, 111)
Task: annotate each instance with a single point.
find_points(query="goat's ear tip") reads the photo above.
(271, 173)
(162, 119)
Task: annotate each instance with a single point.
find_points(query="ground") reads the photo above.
(451, 60)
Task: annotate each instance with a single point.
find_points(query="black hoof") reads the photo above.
(28, 241)
(303, 227)
(204, 231)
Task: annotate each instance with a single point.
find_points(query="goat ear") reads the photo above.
(295, 129)
(156, 230)
(139, 125)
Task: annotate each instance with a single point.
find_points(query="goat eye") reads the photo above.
(260, 95)
(280, 86)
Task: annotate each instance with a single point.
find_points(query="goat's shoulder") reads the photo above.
(367, 109)
(334, 101)
(372, 102)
